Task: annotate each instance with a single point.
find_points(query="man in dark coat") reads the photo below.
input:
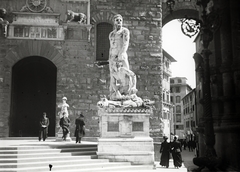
(80, 128)
(165, 151)
(176, 149)
(65, 123)
(43, 127)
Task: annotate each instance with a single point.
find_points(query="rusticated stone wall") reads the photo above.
(77, 77)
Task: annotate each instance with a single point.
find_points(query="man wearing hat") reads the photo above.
(80, 128)
(64, 107)
(43, 130)
(64, 123)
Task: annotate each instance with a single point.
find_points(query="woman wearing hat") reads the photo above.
(165, 150)
(80, 128)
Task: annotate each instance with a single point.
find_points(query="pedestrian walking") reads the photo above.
(184, 144)
(80, 128)
(64, 123)
(43, 128)
(165, 151)
(176, 149)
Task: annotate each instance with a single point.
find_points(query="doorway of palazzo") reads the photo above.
(33, 92)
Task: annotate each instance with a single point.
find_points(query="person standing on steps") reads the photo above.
(80, 128)
(64, 123)
(43, 129)
(165, 151)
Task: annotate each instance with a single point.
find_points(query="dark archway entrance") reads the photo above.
(33, 92)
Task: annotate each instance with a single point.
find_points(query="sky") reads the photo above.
(181, 48)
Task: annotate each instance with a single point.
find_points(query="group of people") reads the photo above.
(64, 124)
(174, 148)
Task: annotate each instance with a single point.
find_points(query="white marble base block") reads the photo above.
(124, 136)
(137, 150)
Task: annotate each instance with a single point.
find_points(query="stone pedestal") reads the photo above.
(124, 135)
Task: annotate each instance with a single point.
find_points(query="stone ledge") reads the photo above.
(137, 139)
(126, 153)
(127, 110)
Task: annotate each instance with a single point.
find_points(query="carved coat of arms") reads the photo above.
(36, 5)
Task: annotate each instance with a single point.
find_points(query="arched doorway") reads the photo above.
(33, 92)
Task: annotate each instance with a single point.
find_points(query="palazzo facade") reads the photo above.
(43, 58)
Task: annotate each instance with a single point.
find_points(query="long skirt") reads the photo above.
(165, 159)
(177, 159)
(79, 133)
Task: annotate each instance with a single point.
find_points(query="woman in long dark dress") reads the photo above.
(80, 128)
(176, 150)
(165, 150)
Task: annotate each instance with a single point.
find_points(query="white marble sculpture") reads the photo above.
(64, 107)
(122, 79)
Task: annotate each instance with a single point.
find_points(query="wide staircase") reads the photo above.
(58, 157)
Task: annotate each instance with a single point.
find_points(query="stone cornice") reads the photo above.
(127, 110)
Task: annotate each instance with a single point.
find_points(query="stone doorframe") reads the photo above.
(24, 49)
(35, 48)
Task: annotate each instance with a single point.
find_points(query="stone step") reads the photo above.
(40, 146)
(125, 168)
(45, 154)
(49, 158)
(34, 156)
(29, 151)
(55, 162)
(66, 167)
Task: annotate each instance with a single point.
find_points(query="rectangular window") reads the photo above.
(177, 89)
(137, 126)
(171, 99)
(178, 99)
(113, 127)
(178, 118)
(179, 127)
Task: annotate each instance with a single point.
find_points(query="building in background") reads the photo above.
(178, 89)
(167, 105)
(189, 114)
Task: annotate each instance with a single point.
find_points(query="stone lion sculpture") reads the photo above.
(76, 17)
